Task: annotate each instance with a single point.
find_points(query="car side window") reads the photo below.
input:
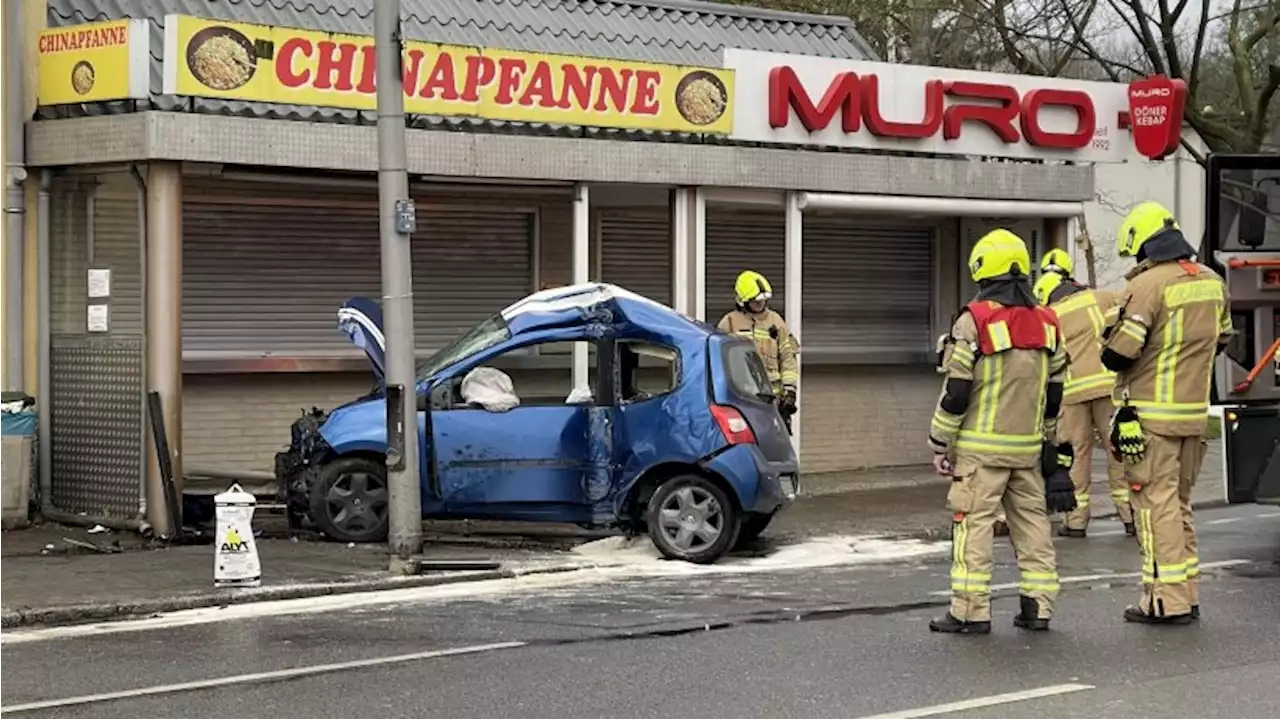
(646, 370)
(540, 375)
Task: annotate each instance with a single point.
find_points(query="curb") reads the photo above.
(85, 613)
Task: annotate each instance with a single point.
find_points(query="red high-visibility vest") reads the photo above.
(1003, 328)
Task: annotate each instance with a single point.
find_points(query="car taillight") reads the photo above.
(733, 425)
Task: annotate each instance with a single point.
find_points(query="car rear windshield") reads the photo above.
(746, 371)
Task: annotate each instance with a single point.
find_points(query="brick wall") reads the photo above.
(858, 417)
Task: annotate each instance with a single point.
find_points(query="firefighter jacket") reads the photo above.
(1171, 319)
(1082, 315)
(1003, 388)
(773, 341)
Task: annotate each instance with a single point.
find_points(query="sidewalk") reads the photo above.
(47, 580)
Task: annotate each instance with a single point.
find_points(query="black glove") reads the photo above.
(1127, 441)
(787, 405)
(1059, 493)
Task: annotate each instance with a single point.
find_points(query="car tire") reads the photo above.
(350, 500)
(690, 518)
(753, 525)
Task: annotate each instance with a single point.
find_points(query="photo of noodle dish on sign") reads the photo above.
(221, 58)
(82, 77)
(701, 97)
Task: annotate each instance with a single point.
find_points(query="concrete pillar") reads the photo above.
(1057, 231)
(164, 327)
(794, 285)
(581, 270)
(689, 254)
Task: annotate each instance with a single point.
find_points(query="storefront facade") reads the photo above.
(233, 224)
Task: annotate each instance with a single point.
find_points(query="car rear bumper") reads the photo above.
(763, 487)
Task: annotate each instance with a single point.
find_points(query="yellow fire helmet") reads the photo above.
(999, 252)
(1045, 286)
(1058, 261)
(752, 285)
(1142, 223)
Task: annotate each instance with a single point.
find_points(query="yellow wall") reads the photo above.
(33, 21)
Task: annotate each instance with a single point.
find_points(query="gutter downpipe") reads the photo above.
(14, 201)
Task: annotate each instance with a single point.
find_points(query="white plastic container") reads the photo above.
(235, 557)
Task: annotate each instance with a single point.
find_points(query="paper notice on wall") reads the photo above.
(99, 283)
(99, 319)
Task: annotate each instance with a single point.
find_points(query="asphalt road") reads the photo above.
(834, 642)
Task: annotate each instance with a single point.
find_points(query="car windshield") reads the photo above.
(746, 371)
(493, 330)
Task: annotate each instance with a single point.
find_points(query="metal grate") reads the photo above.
(96, 422)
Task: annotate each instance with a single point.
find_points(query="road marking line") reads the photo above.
(1268, 515)
(1227, 520)
(1098, 577)
(981, 702)
(256, 678)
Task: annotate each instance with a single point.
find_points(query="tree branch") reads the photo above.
(1193, 82)
(1264, 28)
(1258, 123)
(1169, 36)
(1195, 154)
(1146, 38)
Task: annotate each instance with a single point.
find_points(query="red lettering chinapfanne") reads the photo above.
(456, 77)
(83, 39)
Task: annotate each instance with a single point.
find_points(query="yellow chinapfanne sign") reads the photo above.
(93, 62)
(207, 58)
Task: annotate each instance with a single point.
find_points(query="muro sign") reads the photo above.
(795, 99)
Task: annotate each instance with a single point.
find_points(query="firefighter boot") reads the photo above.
(1029, 617)
(1065, 531)
(1135, 615)
(950, 625)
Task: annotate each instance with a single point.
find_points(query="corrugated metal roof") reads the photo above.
(669, 31)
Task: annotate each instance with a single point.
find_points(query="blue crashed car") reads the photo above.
(700, 460)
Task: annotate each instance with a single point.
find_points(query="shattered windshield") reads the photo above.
(488, 333)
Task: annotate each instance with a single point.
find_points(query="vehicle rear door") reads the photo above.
(739, 380)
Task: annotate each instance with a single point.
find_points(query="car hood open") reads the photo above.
(361, 319)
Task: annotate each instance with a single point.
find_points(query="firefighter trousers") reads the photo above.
(1166, 533)
(1081, 424)
(976, 495)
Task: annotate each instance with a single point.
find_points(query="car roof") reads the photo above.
(601, 302)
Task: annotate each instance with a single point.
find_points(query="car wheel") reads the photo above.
(350, 500)
(753, 525)
(692, 519)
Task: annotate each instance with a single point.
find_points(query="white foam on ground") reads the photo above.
(620, 556)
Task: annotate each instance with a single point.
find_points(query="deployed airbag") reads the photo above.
(490, 388)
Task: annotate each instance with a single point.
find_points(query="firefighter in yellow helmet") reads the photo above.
(1086, 399)
(1004, 365)
(1173, 319)
(754, 320)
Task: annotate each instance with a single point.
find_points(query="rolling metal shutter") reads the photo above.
(867, 286)
(265, 268)
(467, 264)
(635, 251)
(740, 240)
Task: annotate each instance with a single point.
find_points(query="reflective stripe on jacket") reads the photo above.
(1082, 316)
(1004, 424)
(773, 341)
(1171, 320)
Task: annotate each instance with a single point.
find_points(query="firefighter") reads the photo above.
(1086, 400)
(755, 321)
(1173, 319)
(1004, 368)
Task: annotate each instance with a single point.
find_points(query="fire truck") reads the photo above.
(1242, 243)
